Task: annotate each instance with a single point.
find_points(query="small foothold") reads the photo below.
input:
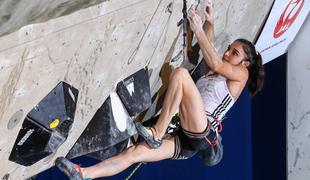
(16, 117)
(169, 8)
(6, 176)
(150, 72)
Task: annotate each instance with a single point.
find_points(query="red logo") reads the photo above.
(288, 17)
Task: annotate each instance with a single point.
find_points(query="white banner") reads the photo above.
(282, 25)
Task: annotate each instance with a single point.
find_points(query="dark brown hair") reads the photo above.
(256, 68)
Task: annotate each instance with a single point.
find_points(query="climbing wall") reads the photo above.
(92, 50)
(298, 107)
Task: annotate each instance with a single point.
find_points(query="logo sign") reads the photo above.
(130, 85)
(281, 27)
(288, 16)
(26, 136)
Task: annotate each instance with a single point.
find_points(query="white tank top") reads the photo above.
(215, 94)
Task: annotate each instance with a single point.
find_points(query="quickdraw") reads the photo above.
(187, 33)
(185, 28)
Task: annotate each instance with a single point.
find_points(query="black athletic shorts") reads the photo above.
(187, 143)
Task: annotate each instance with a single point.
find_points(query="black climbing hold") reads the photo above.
(103, 132)
(134, 92)
(46, 126)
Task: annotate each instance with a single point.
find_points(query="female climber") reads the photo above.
(201, 106)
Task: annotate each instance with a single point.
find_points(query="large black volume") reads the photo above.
(46, 126)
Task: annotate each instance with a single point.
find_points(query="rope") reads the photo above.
(133, 171)
(187, 35)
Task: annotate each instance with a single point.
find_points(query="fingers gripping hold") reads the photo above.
(208, 11)
(195, 20)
